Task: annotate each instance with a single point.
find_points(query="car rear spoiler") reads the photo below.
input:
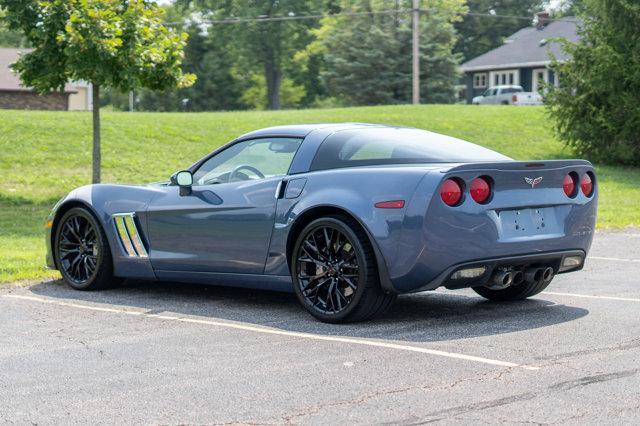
(519, 165)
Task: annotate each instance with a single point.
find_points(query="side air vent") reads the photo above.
(129, 234)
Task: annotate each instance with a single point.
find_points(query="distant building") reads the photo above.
(13, 95)
(523, 59)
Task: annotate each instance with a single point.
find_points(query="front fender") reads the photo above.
(103, 200)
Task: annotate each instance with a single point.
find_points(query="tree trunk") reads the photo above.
(273, 75)
(96, 134)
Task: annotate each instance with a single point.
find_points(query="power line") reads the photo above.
(526, 18)
(265, 18)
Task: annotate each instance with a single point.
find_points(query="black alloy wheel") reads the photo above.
(78, 249)
(82, 252)
(334, 272)
(328, 271)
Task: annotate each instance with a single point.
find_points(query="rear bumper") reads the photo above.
(553, 259)
(517, 221)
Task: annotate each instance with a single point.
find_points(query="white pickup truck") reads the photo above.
(507, 95)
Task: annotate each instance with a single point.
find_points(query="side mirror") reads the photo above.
(184, 179)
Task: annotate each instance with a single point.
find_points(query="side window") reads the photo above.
(375, 146)
(248, 160)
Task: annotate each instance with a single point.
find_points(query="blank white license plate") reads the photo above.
(526, 222)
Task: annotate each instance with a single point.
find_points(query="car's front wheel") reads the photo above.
(82, 251)
(334, 272)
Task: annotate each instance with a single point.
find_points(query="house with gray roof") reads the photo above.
(523, 59)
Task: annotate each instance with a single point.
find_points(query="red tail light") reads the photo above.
(569, 184)
(480, 189)
(587, 184)
(451, 192)
(396, 204)
(514, 98)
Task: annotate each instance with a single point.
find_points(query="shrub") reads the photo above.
(597, 106)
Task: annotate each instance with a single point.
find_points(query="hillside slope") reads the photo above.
(43, 155)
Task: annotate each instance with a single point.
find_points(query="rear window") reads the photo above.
(387, 145)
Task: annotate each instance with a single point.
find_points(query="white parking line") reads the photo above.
(551, 293)
(615, 259)
(588, 296)
(264, 330)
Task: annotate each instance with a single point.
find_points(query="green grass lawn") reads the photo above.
(43, 155)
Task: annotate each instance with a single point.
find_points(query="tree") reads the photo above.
(480, 33)
(219, 86)
(109, 43)
(9, 37)
(596, 106)
(368, 57)
(268, 44)
(210, 54)
(291, 95)
(567, 8)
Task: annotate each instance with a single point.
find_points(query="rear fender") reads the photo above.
(355, 192)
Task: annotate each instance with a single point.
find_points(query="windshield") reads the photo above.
(386, 145)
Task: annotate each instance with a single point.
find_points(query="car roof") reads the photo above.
(302, 130)
(290, 131)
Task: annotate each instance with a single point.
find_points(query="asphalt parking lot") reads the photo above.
(173, 353)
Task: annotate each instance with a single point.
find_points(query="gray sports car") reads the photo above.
(347, 216)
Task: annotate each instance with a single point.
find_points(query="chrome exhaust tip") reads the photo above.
(501, 280)
(536, 275)
(518, 277)
(533, 275)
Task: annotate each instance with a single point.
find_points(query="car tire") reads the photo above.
(338, 241)
(514, 292)
(82, 251)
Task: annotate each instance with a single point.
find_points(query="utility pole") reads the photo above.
(416, 52)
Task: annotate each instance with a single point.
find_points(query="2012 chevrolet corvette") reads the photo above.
(347, 216)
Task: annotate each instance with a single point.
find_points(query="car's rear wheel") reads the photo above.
(82, 251)
(334, 272)
(514, 292)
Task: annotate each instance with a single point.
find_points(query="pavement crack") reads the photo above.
(633, 344)
(596, 378)
(311, 410)
(476, 406)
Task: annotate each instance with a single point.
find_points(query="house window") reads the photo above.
(505, 77)
(479, 81)
(540, 78)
